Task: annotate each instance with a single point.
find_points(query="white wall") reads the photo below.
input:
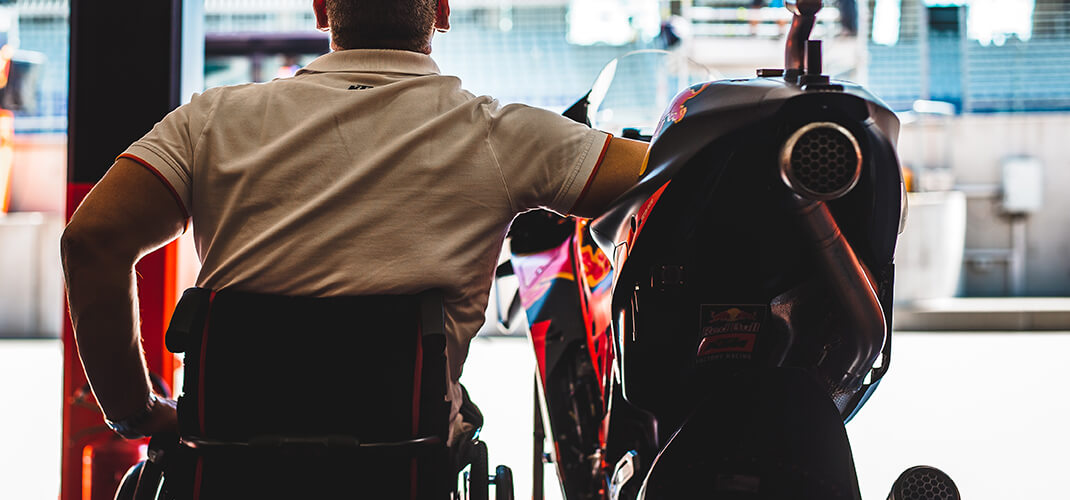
(976, 146)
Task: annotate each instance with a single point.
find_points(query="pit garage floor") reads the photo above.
(991, 409)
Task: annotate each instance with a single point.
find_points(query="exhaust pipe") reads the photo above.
(801, 25)
(844, 368)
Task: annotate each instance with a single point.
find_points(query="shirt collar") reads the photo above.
(373, 61)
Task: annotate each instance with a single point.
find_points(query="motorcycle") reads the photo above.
(711, 333)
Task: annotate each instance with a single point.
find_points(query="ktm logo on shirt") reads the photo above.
(360, 87)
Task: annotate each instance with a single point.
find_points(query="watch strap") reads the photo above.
(128, 427)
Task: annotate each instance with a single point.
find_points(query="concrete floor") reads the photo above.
(991, 409)
(31, 413)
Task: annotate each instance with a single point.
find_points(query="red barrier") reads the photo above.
(94, 458)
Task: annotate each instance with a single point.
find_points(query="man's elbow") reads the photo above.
(82, 247)
(75, 247)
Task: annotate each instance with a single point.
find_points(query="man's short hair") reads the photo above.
(381, 24)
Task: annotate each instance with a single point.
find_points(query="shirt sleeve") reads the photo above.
(168, 149)
(546, 159)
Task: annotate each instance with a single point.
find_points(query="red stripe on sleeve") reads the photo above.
(157, 173)
(594, 171)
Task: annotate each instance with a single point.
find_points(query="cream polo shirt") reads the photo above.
(366, 173)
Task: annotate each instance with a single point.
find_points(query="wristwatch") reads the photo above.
(128, 427)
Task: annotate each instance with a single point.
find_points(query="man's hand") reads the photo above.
(163, 419)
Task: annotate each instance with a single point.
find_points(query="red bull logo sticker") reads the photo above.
(678, 109)
(729, 331)
(596, 265)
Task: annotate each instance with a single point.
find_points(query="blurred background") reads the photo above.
(982, 319)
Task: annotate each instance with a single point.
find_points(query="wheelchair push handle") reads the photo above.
(143, 480)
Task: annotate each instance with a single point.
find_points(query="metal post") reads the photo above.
(1016, 266)
(538, 448)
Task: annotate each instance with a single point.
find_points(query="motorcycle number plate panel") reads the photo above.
(729, 331)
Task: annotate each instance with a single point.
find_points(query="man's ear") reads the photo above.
(442, 16)
(320, 8)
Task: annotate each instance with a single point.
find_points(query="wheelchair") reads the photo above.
(313, 397)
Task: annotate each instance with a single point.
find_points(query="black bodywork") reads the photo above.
(726, 223)
(725, 232)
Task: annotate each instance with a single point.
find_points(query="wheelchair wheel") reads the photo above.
(503, 483)
(128, 485)
(478, 475)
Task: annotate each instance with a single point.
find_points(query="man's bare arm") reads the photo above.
(619, 170)
(128, 214)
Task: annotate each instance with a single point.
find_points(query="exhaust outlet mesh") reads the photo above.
(821, 161)
(924, 483)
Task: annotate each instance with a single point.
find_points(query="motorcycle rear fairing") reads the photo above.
(706, 113)
(737, 245)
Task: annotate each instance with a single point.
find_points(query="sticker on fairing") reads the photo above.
(729, 331)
